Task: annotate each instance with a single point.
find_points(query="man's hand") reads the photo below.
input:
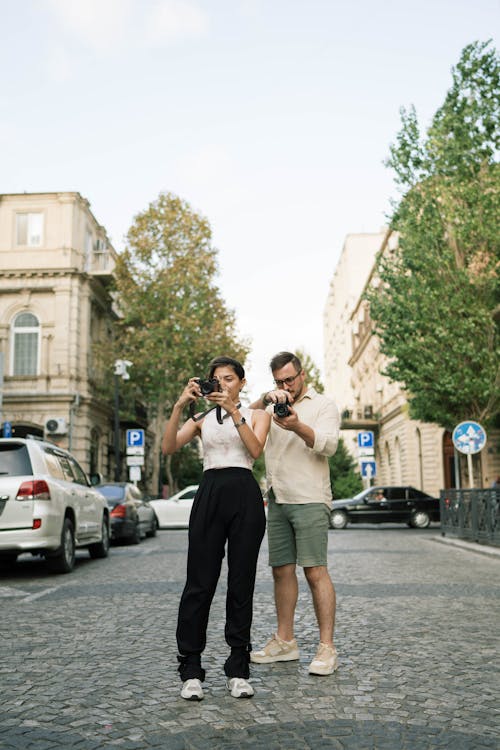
(279, 396)
(288, 423)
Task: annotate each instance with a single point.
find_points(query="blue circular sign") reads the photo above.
(469, 437)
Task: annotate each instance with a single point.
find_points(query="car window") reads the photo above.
(188, 495)
(14, 460)
(53, 465)
(66, 467)
(416, 494)
(80, 477)
(111, 491)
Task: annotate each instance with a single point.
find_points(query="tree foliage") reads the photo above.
(437, 308)
(344, 478)
(174, 318)
(311, 369)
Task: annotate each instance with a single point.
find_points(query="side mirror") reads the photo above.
(96, 479)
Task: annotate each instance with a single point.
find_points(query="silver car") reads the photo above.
(47, 505)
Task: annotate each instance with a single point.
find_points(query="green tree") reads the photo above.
(311, 369)
(437, 309)
(174, 320)
(344, 477)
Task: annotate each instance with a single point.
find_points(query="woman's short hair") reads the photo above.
(226, 362)
(283, 358)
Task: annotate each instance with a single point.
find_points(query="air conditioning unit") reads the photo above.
(56, 426)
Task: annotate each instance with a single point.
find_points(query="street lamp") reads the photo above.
(120, 372)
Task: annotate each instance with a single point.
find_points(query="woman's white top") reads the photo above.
(222, 445)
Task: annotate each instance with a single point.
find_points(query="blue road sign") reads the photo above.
(135, 438)
(366, 439)
(7, 429)
(469, 437)
(368, 469)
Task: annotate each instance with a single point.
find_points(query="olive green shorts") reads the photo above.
(297, 534)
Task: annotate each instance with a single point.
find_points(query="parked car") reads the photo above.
(173, 512)
(132, 518)
(48, 506)
(386, 505)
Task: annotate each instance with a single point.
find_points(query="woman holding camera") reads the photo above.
(228, 506)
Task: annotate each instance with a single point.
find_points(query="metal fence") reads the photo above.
(471, 514)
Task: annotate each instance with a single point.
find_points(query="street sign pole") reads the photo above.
(470, 470)
(469, 438)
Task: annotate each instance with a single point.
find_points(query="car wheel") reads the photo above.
(338, 519)
(420, 519)
(101, 549)
(64, 560)
(136, 536)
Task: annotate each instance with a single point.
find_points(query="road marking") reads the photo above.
(6, 592)
(32, 597)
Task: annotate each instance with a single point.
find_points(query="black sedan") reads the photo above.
(386, 505)
(131, 517)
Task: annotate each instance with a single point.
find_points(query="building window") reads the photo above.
(29, 229)
(25, 344)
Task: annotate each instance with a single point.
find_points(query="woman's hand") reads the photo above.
(223, 399)
(190, 393)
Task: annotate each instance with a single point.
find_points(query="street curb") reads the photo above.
(480, 549)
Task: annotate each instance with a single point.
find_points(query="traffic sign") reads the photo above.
(366, 439)
(368, 469)
(135, 460)
(134, 473)
(135, 438)
(7, 429)
(469, 437)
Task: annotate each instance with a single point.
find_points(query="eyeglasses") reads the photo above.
(287, 381)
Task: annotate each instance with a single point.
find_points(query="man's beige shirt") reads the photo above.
(296, 473)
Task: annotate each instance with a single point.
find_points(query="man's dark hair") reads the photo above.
(283, 358)
(226, 362)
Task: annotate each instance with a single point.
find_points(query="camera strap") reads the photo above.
(218, 413)
(204, 413)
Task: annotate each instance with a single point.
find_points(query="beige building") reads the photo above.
(406, 451)
(56, 264)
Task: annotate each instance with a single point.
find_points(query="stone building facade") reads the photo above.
(407, 451)
(56, 264)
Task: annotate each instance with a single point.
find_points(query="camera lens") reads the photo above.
(281, 410)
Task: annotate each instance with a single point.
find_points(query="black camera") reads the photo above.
(282, 410)
(211, 385)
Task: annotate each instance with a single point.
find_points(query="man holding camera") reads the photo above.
(304, 432)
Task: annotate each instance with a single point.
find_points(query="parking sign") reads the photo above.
(366, 439)
(135, 438)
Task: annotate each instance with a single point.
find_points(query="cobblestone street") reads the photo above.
(88, 660)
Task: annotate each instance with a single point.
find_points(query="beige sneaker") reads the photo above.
(326, 660)
(276, 650)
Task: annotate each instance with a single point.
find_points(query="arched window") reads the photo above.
(25, 351)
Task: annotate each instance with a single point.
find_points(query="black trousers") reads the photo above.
(228, 507)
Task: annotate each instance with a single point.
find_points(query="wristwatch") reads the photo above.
(241, 422)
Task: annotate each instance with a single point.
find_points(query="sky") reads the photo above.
(272, 119)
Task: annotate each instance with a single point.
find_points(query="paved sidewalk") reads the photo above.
(87, 661)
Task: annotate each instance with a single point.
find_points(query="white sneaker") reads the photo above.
(192, 690)
(326, 660)
(276, 649)
(239, 687)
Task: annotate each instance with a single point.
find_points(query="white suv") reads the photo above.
(47, 505)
